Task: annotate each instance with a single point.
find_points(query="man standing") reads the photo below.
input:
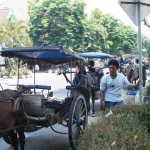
(121, 63)
(91, 66)
(111, 86)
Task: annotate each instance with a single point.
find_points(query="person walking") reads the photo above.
(111, 86)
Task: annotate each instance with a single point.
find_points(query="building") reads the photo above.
(19, 7)
(6, 13)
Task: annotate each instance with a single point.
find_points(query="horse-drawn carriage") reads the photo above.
(94, 80)
(131, 68)
(44, 111)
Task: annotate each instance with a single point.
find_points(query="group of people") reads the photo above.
(111, 84)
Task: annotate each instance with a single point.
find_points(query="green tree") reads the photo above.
(14, 33)
(60, 22)
(145, 42)
(95, 35)
(148, 51)
(129, 44)
(123, 38)
(112, 27)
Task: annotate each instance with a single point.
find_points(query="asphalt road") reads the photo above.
(45, 138)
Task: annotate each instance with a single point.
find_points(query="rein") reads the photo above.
(6, 100)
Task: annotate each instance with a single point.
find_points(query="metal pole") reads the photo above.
(140, 49)
(18, 74)
(71, 71)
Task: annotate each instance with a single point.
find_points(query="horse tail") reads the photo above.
(130, 75)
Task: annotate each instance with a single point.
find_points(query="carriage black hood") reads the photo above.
(50, 54)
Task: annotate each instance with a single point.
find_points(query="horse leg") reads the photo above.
(20, 132)
(14, 140)
(93, 101)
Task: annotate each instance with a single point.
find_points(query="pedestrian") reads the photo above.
(80, 68)
(121, 63)
(111, 86)
(91, 66)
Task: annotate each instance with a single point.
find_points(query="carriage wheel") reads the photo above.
(78, 119)
(8, 139)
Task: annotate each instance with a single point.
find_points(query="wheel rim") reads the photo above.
(77, 120)
(7, 139)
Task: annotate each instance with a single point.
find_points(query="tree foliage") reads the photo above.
(14, 33)
(95, 35)
(64, 22)
(58, 22)
(148, 51)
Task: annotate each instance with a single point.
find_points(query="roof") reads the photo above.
(50, 54)
(4, 13)
(20, 8)
(129, 55)
(94, 55)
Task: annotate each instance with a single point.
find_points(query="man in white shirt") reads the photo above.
(111, 86)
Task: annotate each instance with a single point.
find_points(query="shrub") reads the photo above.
(5, 72)
(14, 72)
(24, 71)
(126, 129)
(146, 90)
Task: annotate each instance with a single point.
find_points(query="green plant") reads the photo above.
(146, 90)
(126, 129)
(14, 72)
(6, 72)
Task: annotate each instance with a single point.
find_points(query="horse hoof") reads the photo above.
(93, 115)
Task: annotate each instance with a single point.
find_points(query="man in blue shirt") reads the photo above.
(121, 62)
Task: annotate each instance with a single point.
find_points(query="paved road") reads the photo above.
(44, 139)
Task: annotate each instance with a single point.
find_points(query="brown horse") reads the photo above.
(133, 75)
(91, 82)
(10, 117)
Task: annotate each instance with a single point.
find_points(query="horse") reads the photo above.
(133, 74)
(91, 82)
(10, 117)
(123, 70)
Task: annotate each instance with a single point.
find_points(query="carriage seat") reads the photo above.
(72, 86)
(44, 87)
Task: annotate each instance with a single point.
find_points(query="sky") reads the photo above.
(112, 7)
